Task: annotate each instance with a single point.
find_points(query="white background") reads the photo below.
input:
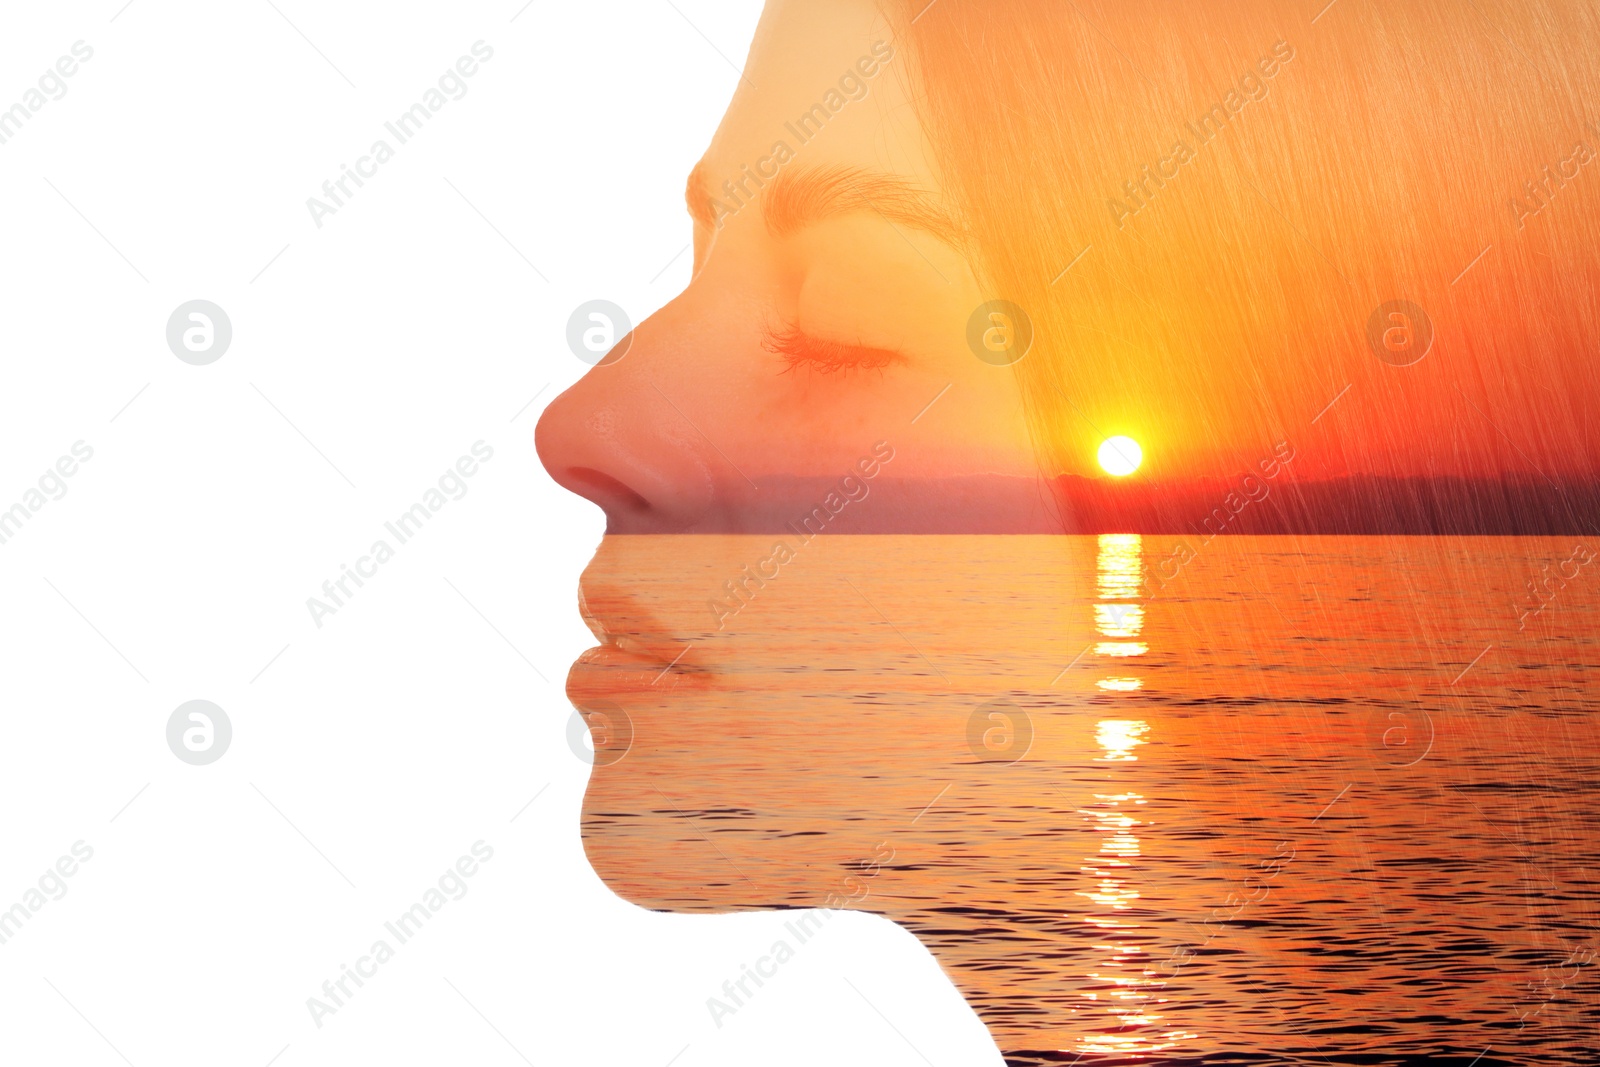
(427, 713)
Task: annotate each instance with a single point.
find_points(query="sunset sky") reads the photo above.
(1209, 222)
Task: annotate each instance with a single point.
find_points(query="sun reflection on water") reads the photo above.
(1119, 620)
(1120, 564)
(1120, 986)
(1119, 737)
(1118, 613)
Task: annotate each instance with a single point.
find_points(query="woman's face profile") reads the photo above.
(814, 373)
(820, 320)
(857, 644)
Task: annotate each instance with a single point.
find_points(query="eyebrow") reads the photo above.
(795, 199)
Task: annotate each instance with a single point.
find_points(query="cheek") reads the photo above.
(979, 424)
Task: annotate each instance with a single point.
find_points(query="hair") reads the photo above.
(1218, 302)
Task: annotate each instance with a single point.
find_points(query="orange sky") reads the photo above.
(1208, 214)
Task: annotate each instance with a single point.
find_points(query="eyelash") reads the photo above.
(798, 349)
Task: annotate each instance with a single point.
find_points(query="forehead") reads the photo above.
(817, 83)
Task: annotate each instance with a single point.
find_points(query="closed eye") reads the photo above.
(800, 350)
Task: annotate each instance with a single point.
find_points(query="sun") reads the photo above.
(1120, 456)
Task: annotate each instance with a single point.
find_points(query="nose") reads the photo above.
(614, 438)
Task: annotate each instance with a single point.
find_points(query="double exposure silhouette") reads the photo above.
(1082, 508)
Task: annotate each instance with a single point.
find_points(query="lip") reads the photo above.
(636, 652)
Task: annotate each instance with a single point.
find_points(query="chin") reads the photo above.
(662, 868)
